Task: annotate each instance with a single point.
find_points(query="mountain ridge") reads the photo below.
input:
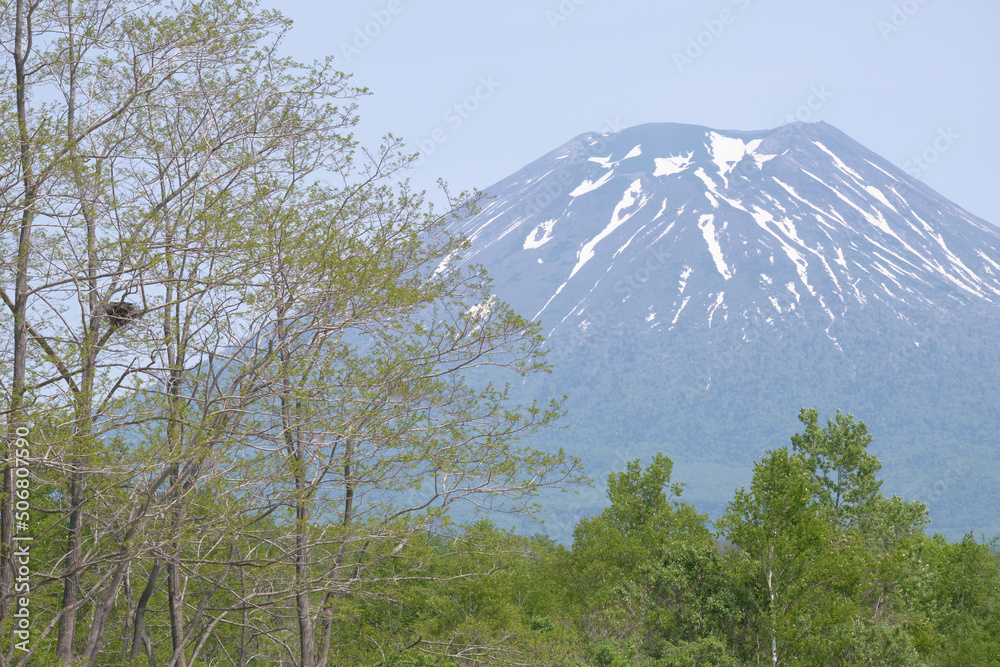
(696, 265)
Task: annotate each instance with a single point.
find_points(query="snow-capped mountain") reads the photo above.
(697, 286)
(682, 226)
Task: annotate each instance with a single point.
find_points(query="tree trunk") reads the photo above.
(176, 604)
(139, 617)
(771, 611)
(15, 417)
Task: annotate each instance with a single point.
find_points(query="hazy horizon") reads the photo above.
(484, 90)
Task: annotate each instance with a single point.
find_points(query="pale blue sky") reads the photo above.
(904, 77)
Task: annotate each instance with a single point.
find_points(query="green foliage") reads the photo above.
(638, 497)
(240, 342)
(963, 601)
(790, 555)
(837, 457)
(707, 651)
(831, 558)
(646, 572)
(647, 585)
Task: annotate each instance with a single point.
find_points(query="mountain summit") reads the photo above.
(698, 286)
(798, 223)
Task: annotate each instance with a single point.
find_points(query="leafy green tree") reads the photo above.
(455, 615)
(844, 470)
(708, 651)
(963, 601)
(830, 556)
(791, 556)
(642, 509)
(882, 529)
(647, 576)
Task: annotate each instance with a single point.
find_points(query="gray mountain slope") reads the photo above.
(697, 287)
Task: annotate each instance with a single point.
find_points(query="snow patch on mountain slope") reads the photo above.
(684, 278)
(444, 262)
(535, 179)
(590, 186)
(481, 311)
(986, 257)
(714, 307)
(628, 199)
(678, 313)
(674, 164)
(664, 232)
(627, 243)
(511, 227)
(787, 228)
(709, 183)
(761, 158)
(728, 151)
(840, 163)
(883, 171)
(559, 289)
(534, 241)
(833, 276)
(707, 226)
(878, 194)
(663, 207)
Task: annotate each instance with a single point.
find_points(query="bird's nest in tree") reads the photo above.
(121, 313)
